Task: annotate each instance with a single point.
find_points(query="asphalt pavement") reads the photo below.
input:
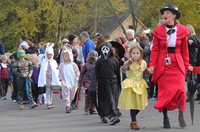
(41, 119)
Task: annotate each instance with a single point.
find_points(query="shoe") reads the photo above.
(73, 107)
(114, 120)
(20, 107)
(103, 119)
(68, 109)
(134, 126)
(33, 106)
(14, 101)
(181, 120)
(93, 111)
(52, 106)
(197, 98)
(166, 123)
(48, 106)
(3, 98)
(87, 111)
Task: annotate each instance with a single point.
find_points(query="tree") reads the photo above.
(48, 20)
(190, 12)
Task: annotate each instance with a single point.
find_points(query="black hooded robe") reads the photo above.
(108, 76)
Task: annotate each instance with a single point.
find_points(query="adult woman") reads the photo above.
(168, 61)
(194, 55)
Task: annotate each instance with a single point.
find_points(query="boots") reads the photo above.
(134, 126)
(181, 120)
(166, 123)
(198, 97)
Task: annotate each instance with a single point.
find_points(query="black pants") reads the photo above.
(22, 88)
(4, 84)
(15, 89)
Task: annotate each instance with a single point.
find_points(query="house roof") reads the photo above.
(107, 25)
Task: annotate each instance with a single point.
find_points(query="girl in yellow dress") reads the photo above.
(134, 94)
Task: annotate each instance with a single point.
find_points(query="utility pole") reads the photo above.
(95, 16)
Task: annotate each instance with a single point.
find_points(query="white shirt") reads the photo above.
(23, 44)
(171, 39)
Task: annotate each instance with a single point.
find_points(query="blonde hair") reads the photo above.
(137, 46)
(192, 31)
(4, 57)
(34, 59)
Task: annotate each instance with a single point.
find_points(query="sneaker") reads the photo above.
(103, 119)
(114, 120)
(14, 101)
(68, 109)
(20, 107)
(93, 111)
(73, 107)
(3, 98)
(48, 106)
(87, 111)
(33, 106)
(52, 106)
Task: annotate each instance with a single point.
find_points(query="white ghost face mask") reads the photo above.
(105, 51)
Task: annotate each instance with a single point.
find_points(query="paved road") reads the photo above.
(56, 120)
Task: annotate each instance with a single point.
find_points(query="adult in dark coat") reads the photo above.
(108, 75)
(2, 50)
(194, 55)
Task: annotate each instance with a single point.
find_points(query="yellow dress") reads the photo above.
(134, 93)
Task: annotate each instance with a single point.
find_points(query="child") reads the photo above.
(68, 75)
(41, 46)
(4, 76)
(107, 70)
(48, 75)
(134, 93)
(86, 77)
(13, 77)
(34, 59)
(23, 69)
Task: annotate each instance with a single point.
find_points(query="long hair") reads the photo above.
(34, 59)
(192, 31)
(137, 46)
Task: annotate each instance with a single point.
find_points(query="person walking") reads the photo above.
(134, 93)
(88, 44)
(169, 60)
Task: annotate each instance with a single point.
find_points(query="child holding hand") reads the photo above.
(134, 94)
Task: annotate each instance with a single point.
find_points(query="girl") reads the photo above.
(34, 59)
(48, 75)
(4, 76)
(68, 75)
(134, 93)
(86, 78)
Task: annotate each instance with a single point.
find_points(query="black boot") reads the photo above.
(198, 97)
(181, 119)
(166, 120)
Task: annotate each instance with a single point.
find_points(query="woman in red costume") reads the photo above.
(169, 61)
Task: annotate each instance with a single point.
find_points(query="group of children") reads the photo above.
(100, 76)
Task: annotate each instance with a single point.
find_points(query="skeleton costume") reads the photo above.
(108, 75)
(21, 68)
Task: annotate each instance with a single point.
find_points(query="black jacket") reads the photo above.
(194, 50)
